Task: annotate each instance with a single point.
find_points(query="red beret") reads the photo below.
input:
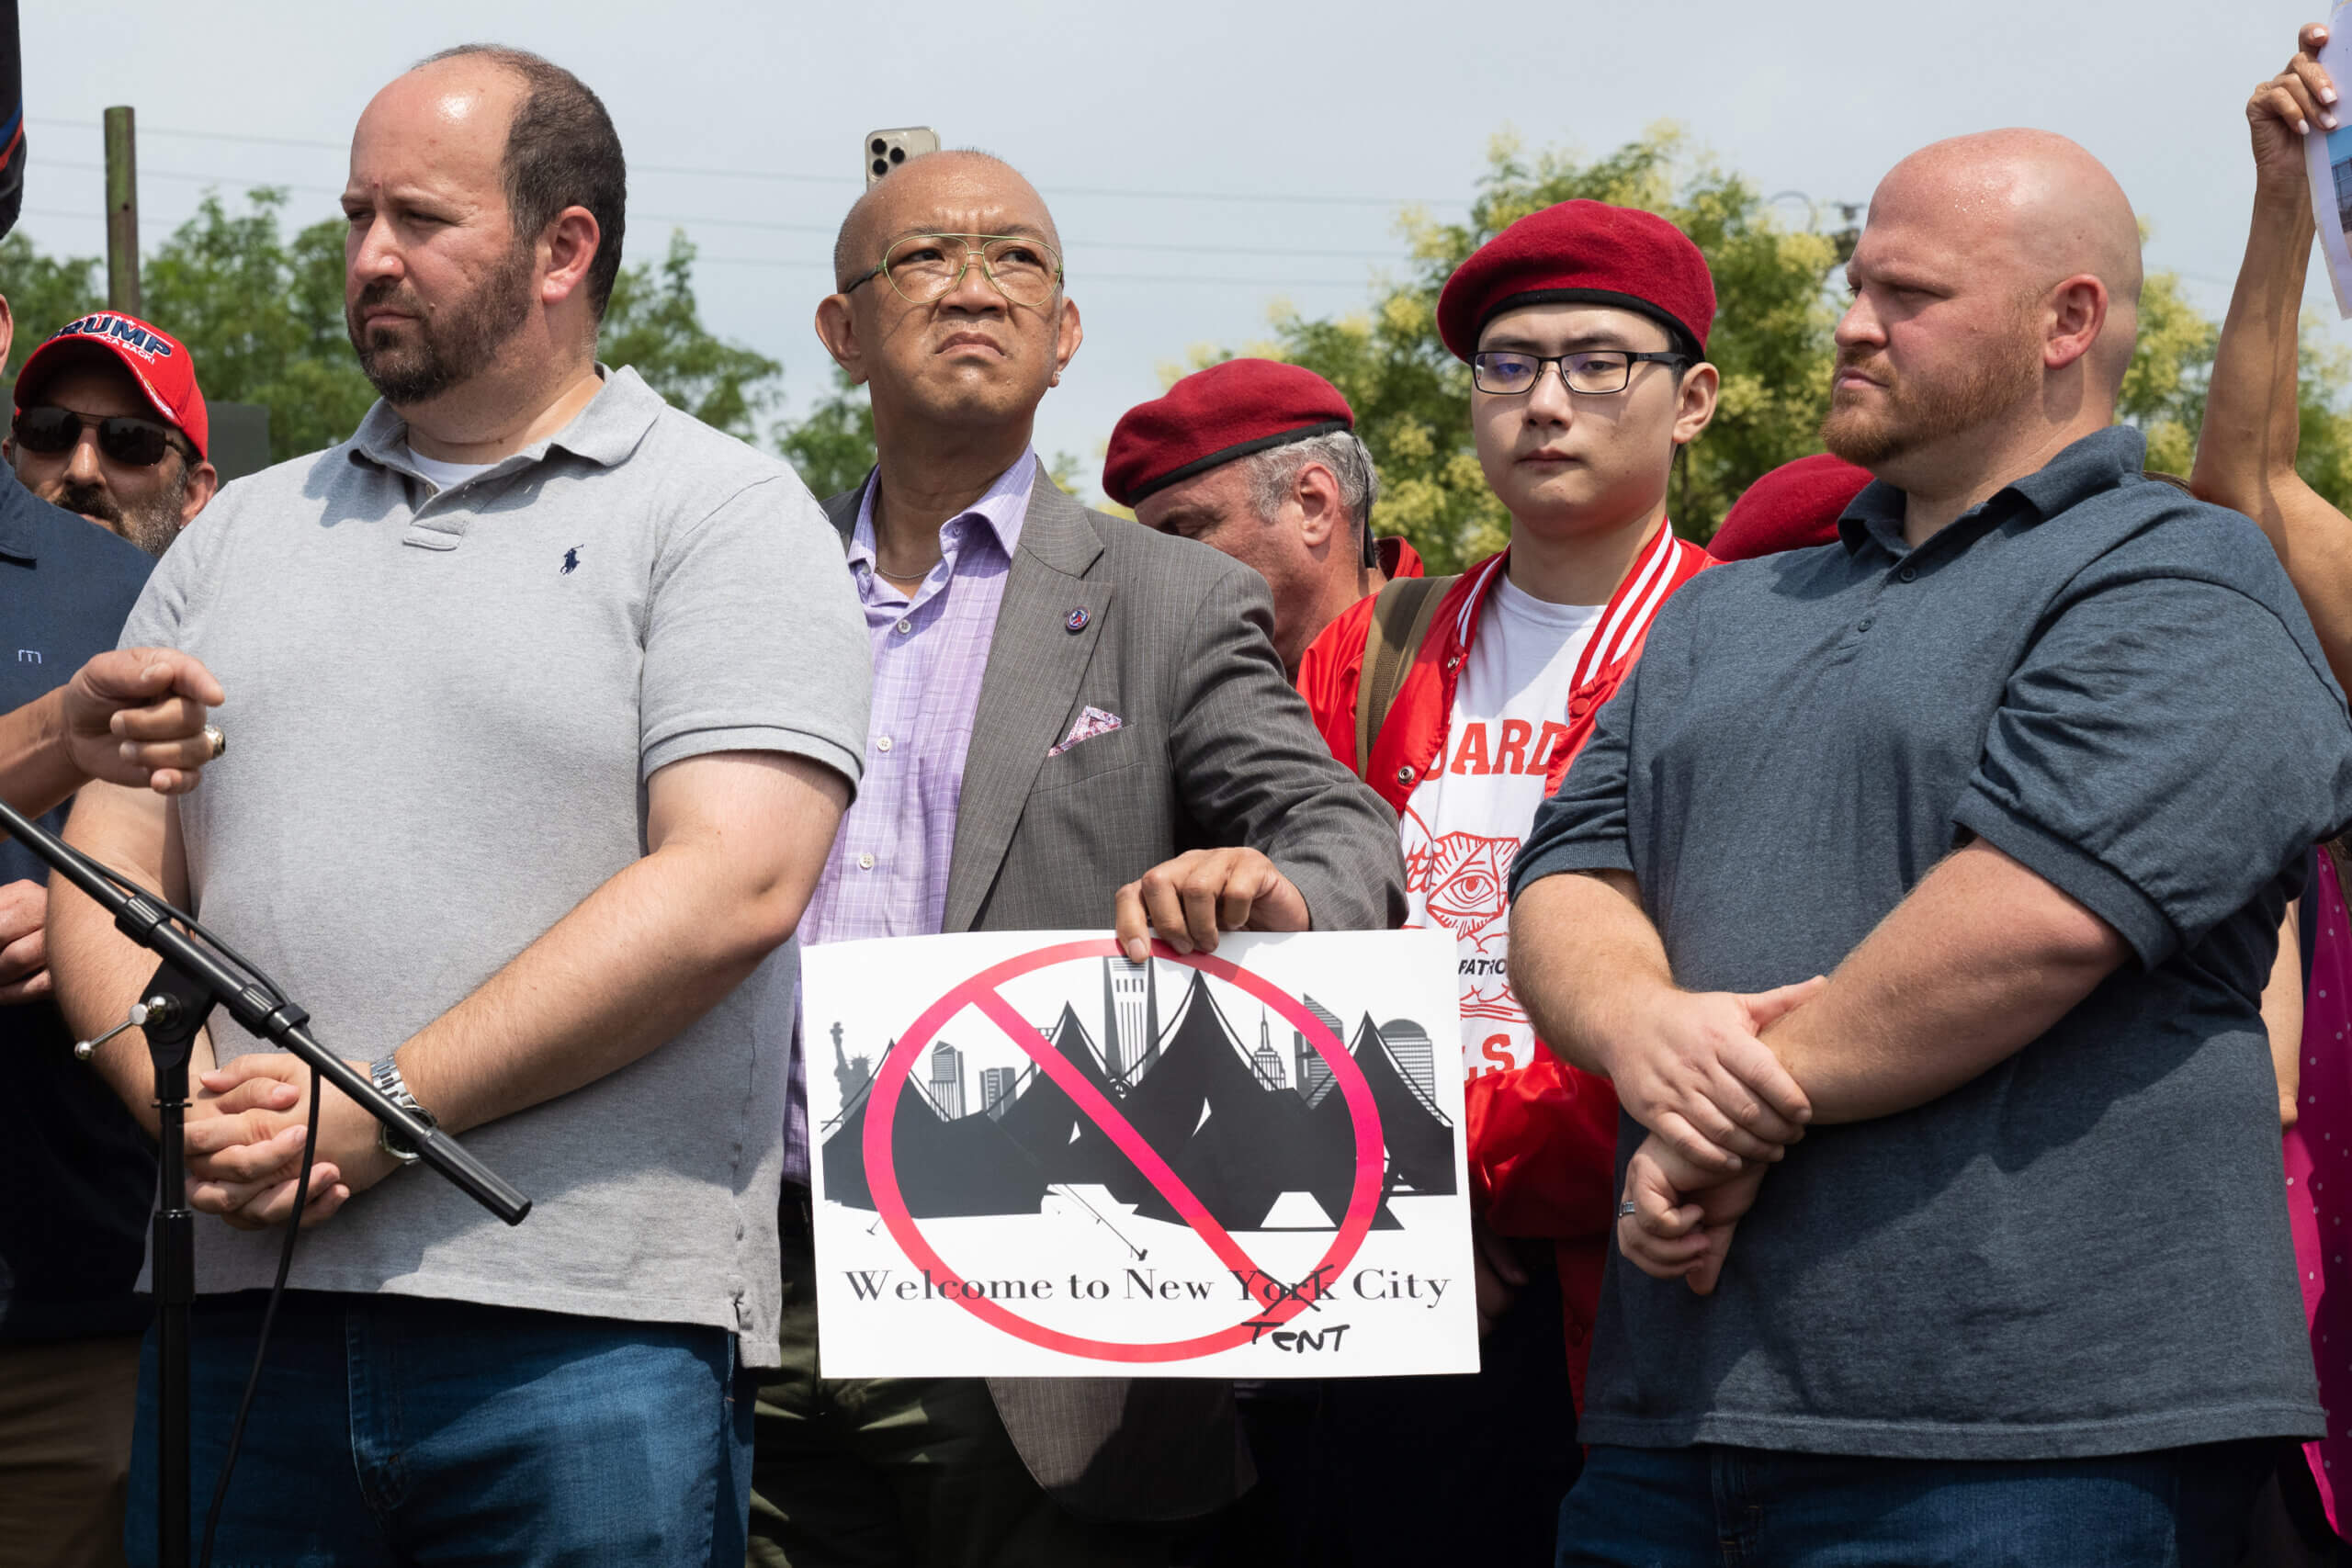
(1215, 416)
(1582, 252)
(1793, 507)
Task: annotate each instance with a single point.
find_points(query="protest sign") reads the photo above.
(1035, 1158)
(2329, 158)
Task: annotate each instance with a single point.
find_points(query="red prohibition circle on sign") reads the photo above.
(981, 991)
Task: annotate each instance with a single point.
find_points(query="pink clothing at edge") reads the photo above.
(2319, 1183)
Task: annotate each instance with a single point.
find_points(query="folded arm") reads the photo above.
(1980, 960)
(737, 841)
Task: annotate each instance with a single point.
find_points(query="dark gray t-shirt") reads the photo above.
(2084, 1251)
(443, 710)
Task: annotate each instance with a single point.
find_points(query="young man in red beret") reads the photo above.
(1259, 459)
(1584, 326)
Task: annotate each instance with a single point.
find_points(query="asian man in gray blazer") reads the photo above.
(1104, 708)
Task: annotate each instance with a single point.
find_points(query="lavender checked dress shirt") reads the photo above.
(887, 874)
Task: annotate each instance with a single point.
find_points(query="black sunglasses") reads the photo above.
(127, 439)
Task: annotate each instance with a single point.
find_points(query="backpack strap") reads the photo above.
(1399, 624)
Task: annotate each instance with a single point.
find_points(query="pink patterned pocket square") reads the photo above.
(1090, 723)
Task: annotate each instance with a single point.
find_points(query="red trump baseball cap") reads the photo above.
(1582, 252)
(159, 362)
(1215, 416)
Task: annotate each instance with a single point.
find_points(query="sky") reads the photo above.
(1206, 163)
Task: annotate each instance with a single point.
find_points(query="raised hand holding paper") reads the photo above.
(1244, 1164)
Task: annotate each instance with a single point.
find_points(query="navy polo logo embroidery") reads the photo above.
(1077, 619)
(571, 562)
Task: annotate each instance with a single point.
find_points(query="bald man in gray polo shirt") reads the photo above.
(550, 699)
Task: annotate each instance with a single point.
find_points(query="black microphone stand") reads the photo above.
(189, 982)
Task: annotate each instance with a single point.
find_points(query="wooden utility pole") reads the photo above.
(122, 211)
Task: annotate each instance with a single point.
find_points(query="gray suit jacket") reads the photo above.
(1215, 748)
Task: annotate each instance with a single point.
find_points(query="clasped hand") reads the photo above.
(245, 1143)
(1720, 1110)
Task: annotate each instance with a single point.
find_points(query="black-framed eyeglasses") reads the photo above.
(924, 268)
(127, 439)
(1591, 372)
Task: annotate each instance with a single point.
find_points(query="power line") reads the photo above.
(1082, 281)
(769, 224)
(1282, 199)
(772, 225)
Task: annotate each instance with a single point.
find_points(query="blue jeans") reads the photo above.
(392, 1430)
(1749, 1509)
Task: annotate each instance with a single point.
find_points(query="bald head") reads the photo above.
(2034, 209)
(923, 193)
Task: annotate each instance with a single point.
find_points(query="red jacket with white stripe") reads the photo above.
(1543, 1137)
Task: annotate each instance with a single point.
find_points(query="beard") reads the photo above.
(450, 346)
(152, 525)
(1911, 415)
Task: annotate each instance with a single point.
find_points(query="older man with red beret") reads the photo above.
(1461, 701)
(1260, 460)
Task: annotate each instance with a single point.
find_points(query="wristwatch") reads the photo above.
(394, 1087)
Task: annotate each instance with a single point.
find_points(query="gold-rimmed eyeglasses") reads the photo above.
(924, 268)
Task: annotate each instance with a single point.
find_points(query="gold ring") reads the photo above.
(218, 742)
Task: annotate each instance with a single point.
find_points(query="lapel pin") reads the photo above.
(1076, 619)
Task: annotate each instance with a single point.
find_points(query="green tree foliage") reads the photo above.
(43, 293)
(654, 325)
(2164, 389)
(834, 447)
(2324, 457)
(263, 316)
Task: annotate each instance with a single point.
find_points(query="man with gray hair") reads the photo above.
(627, 704)
(1260, 460)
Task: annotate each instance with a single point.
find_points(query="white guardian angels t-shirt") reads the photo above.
(1465, 822)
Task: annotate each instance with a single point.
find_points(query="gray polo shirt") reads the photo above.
(2084, 1251)
(444, 708)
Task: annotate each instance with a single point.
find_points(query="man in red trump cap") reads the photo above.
(1260, 460)
(109, 423)
(1463, 701)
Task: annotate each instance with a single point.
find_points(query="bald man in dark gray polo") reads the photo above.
(2017, 763)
